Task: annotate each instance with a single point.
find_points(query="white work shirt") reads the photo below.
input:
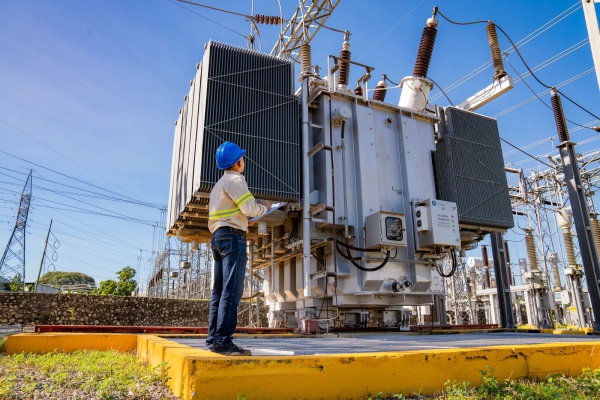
(231, 203)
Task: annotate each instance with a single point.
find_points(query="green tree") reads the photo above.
(123, 287)
(59, 278)
(16, 283)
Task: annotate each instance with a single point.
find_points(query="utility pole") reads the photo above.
(13, 259)
(43, 256)
(591, 20)
(581, 216)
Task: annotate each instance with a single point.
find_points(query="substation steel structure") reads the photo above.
(377, 199)
(549, 284)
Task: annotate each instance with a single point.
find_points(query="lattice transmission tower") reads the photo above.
(13, 259)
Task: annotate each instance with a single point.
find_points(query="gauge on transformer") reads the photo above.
(393, 229)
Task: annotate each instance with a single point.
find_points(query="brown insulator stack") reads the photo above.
(569, 247)
(499, 71)
(344, 64)
(305, 58)
(380, 91)
(507, 255)
(486, 265)
(267, 19)
(559, 117)
(358, 90)
(425, 49)
(595, 230)
(531, 252)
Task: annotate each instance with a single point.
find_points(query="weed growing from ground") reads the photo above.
(82, 374)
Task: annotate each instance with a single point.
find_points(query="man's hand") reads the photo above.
(267, 204)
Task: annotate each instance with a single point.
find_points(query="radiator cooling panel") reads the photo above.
(469, 169)
(245, 97)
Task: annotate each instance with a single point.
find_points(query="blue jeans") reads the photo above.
(229, 269)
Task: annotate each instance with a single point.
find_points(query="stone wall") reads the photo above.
(84, 309)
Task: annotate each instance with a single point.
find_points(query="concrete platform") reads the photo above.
(385, 342)
(337, 366)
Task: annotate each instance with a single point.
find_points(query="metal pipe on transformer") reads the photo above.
(306, 253)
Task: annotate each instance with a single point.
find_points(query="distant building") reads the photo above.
(41, 288)
(4, 284)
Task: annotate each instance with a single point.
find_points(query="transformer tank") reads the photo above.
(394, 191)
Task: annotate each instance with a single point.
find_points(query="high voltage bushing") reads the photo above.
(380, 90)
(531, 252)
(569, 247)
(559, 117)
(426, 48)
(344, 62)
(499, 71)
(305, 58)
(595, 230)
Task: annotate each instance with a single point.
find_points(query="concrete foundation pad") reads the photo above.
(346, 367)
(337, 366)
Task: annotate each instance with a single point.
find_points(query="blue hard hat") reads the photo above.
(228, 154)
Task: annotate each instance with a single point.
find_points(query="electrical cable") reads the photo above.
(84, 130)
(73, 161)
(66, 176)
(539, 81)
(388, 32)
(538, 97)
(454, 266)
(442, 90)
(91, 195)
(208, 19)
(460, 23)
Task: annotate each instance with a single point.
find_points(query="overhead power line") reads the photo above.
(390, 31)
(544, 93)
(208, 19)
(70, 159)
(83, 130)
(68, 176)
(86, 194)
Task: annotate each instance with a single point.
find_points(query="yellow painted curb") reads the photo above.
(563, 332)
(69, 342)
(198, 374)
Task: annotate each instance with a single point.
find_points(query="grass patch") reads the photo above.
(585, 386)
(82, 374)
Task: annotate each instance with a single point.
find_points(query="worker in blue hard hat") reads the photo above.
(230, 206)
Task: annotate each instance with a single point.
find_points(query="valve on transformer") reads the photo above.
(380, 90)
(344, 62)
(416, 88)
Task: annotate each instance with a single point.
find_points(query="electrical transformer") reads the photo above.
(377, 196)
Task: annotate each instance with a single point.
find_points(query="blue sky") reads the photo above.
(111, 75)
